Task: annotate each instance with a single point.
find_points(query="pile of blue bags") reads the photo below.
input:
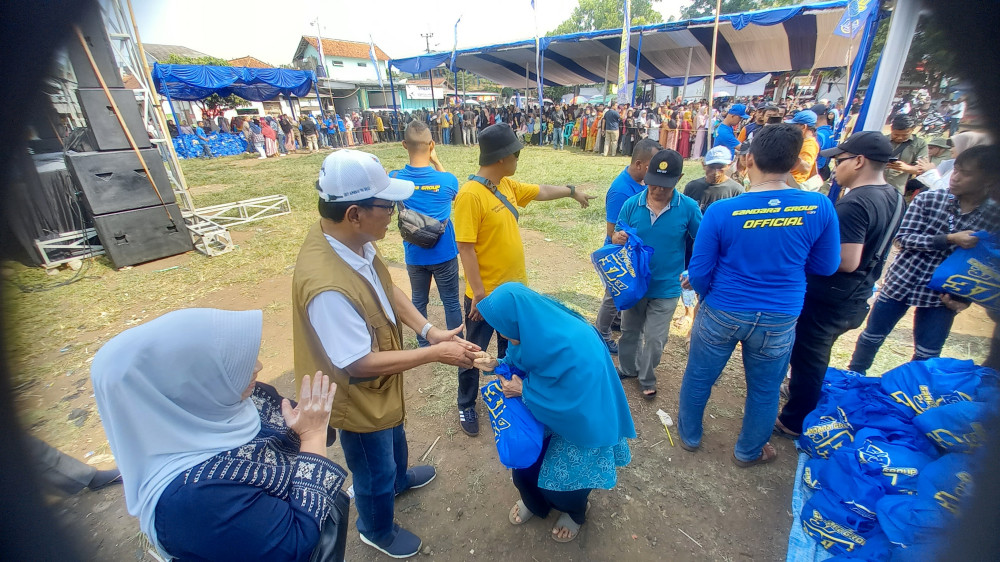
(892, 456)
(222, 144)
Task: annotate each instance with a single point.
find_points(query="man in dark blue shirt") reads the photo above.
(612, 126)
(627, 184)
(749, 265)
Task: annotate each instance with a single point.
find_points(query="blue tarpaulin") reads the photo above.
(194, 82)
(750, 45)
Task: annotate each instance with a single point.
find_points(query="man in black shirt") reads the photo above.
(612, 126)
(869, 216)
(715, 184)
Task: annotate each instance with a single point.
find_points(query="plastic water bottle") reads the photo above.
(687, 295)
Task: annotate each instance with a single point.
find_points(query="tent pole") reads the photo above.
(392, 92)
(687, 74)
(635, 81)
(318, 99)
(604, 90)
(525, 86)
(711, 77)
(897, 45)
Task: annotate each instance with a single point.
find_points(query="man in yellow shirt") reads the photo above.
(446, 126)
(806, 167)
(489, 242)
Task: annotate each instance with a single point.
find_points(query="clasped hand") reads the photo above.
(511, 388)
(451, 349)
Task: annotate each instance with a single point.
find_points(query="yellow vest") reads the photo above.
(362, 405)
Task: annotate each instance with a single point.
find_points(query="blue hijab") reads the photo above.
(571, 386)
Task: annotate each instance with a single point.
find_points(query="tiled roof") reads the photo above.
(249, 62)
(131, 82)
(161, 52)
(347, 49)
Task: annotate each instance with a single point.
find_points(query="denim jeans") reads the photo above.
(931, 326)
(767, 340)
(446, 135)
(281, 144)
(446, 277)
(377, 462)
(557, 138)
(480, 333)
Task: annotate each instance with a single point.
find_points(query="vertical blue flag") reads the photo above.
(624, 93)
(371, 55)
(854, 15)
(538, 59)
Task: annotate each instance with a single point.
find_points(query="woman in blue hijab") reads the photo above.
(570, 385)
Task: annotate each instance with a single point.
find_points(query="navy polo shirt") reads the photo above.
(667, 235)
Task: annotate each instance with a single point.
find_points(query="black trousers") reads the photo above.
(540, 501)
(819, 326)
(480, 333)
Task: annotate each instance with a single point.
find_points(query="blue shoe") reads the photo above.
(399, 544)
(418, 477)
(469, 421)
(612, 346)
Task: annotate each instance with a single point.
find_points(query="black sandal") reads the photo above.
(650, 395)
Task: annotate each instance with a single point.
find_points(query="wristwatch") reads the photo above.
(572, 190)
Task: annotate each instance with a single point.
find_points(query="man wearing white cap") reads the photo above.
(347, 321)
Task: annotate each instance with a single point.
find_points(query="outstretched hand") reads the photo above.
(485, 362)
(582, 198)
(311, 416)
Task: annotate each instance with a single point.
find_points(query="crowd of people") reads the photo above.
(231, 468)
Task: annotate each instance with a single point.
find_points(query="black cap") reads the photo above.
(665, 168)
(870, 144)
(820, 109)
(497, 142)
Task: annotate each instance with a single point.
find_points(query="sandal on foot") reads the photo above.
(767, 454)
(781, 431)
(566, 522)
(519, 510)
(649, 395)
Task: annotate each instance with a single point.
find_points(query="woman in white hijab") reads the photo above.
(215, 465)
(939, 177)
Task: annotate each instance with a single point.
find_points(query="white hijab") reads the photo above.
(168, 392)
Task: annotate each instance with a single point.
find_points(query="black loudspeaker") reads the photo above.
(115, 181)
(94, 33)
(142, 235)
(106, 131)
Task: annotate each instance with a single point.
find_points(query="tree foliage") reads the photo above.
(702, 8)
(592, 15)
(214, 105)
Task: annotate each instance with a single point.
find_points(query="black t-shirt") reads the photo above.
(864, 215)
(612, 121)
(705, 193)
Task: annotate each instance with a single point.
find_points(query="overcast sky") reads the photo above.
(270, 29)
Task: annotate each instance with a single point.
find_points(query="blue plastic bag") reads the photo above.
(624, 270)
(911, 520)
(948, 481)
(918, 386)
(972, 273)
(517, 433)
(840, 414)
(955, 427)
(837, 530)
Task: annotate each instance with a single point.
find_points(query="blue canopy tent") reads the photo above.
(191, 82)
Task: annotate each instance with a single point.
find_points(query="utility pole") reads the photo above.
(430, 74)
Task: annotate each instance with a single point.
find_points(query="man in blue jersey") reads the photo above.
(435, 189)
(749, 265)
(663, 218)
(726, 133)
(627, 184)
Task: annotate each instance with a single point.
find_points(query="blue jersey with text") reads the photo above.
(433, 196)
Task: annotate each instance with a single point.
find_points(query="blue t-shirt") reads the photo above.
(725, 136)
(433, 197)
(754, 250)
(667, 236)
(824, 137)
(621, 189)
(200, 133)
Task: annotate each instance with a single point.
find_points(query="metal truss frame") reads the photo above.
(77, 243)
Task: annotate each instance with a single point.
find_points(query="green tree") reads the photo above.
(214, 105)
(591, 15)
(702, 8)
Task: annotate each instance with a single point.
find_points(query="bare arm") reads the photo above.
(611, 228)
(552, 192)
(434, 160)
(850, 257)
(470, 264)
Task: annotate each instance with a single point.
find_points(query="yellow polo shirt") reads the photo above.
(810, 150)
(482, 219)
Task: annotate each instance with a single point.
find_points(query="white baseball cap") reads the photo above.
(718, 155)
(352, 175)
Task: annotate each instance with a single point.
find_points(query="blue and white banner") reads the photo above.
(854, 15)
(454, 47)
(371, 55)
(624, 92)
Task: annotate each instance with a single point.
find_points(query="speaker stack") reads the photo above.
(135, 214)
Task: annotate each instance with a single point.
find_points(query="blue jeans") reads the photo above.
(767, 340)
(557, 138)
(378, 464)
(446, 277)
(931, 326)
(446, 135)
(281, 143)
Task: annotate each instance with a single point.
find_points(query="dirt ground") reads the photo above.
(668, 505)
